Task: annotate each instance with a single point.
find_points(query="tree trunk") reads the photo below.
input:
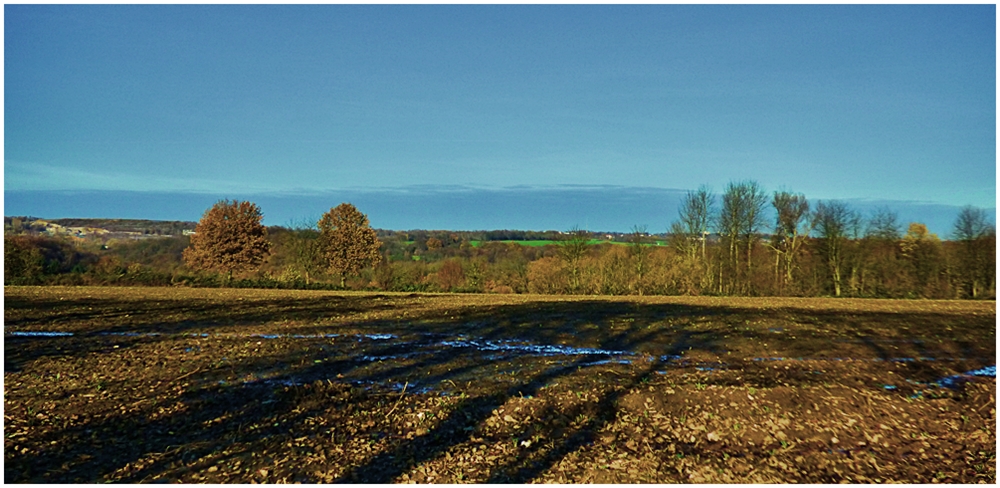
(777, 272)
(734, 256)
(789, 257)
(836, 280)
(703, 239)
(853, 282)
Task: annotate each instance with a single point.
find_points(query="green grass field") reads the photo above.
(546, 243)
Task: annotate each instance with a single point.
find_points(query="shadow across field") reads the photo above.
(206, 393)
(657, 329)
(90, 318)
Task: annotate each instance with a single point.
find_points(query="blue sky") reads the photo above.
(838, 102)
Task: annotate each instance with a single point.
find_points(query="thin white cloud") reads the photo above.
(19, 175)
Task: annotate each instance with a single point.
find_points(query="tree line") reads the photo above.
(744, 242)
(829, 249)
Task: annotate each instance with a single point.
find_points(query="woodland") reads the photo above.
(743, 242)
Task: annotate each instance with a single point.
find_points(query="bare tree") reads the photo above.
(836, 224)
(739, 223)
(689, 233)
(639, 252)
(305, 252)
(881, 269)
(971, 224)
(571, 250)
(729, 227)
(976, 254)
(348, 244)
(792, 227)
(229, 239)
(694, 219)
(883, 224)
(755, 201)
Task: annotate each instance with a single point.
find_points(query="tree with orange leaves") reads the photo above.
(230, 238)
(349, 245)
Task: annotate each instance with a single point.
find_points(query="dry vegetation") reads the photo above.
(227, 386)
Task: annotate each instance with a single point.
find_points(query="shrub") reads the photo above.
(22, 261)
(547, 276)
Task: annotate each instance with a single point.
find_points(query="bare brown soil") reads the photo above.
(244, 386)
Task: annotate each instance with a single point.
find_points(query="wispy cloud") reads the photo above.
(19, 175)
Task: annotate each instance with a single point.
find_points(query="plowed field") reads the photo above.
(241, 386)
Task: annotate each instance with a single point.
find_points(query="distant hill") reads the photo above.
(608, 209)
(169, 227)
(134, 226)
